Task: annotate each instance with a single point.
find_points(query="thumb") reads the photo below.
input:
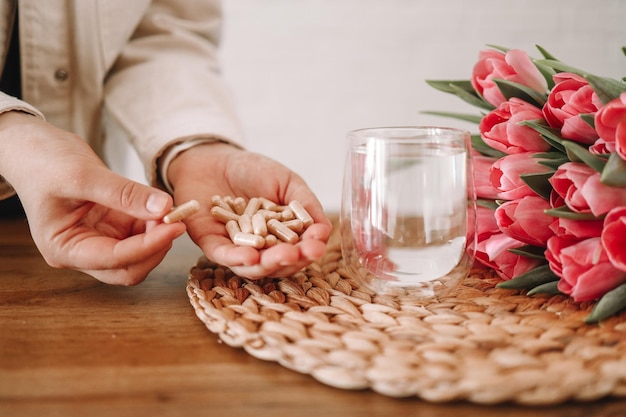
(130, 197)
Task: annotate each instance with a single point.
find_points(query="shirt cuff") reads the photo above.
(172, 152)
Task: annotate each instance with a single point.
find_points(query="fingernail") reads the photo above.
(156, 203)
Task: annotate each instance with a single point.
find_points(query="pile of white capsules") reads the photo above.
(260, 222)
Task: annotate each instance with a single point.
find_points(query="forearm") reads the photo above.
(13, 145)
(165, 87)
(11, 109)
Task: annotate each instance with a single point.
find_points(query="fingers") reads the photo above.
(221, 250)
(281, 260)
(127, 261)
(104, 187)
(318, 231)
(131, 275)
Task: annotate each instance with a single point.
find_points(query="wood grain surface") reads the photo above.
(72, 346)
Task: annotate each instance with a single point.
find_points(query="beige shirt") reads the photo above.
(150, 67)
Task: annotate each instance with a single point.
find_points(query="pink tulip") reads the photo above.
(572, 96)
(501, 128)
(587, 274)
(580, 187)
(494, 253)
(514, 65)
(602, 147)
(580, 229)
(610, 123)
(525, 220)
(553, 251)
(614, 237)
(506, 171)
(482, 184)
(486, 224)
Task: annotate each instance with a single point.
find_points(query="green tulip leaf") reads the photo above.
(607, 89)
(609, 304)
(471, 97)
(551, 159)
(577, 152)
(549, 288)
(539, 183)
(548, 74)
(462, 89)
(545, 53)
(565, 212)
(479, 145)
(549, 155)
(531, 279)
(561, 67)
(546, 71)
(446, 85)
(499, 48)
(549, 134)
(512, 89)
(472, 118)
(554, 164)
(490, 204)
(614, 173)
(589, 119)
(530, 251)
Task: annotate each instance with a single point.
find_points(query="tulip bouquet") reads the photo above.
(550, 173)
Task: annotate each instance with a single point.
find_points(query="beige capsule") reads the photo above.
(253, 206)
(249, 239)
(281, 231)
(239, 205)
(267, 204)
(259, 224)
(181, 212)
(270, 214)
(301, 213)
(232, 228)
(270, 240)
(296, 225)
(228, 200)
(223, 215)
(245, 223)
(287, 215)
(217, 201)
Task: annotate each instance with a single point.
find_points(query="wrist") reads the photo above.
(12, 139)
(173, 152)
(170, 154)
(186, 163)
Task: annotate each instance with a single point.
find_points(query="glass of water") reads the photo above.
(408, 209)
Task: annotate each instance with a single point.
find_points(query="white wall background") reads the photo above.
(304, 72)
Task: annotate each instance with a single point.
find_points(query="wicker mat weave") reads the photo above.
(479, 343)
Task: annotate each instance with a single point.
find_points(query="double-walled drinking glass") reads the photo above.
(408, 209)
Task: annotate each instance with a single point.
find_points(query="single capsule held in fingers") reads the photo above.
(181, 212)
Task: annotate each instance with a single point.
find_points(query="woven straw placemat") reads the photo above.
(479, 343)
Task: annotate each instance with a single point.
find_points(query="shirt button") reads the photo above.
(61, 75)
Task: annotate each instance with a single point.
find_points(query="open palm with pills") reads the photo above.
(218, 169)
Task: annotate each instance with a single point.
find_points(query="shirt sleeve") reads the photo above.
(10, 103)
(166, 88)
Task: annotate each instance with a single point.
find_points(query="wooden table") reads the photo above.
(72, 346)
